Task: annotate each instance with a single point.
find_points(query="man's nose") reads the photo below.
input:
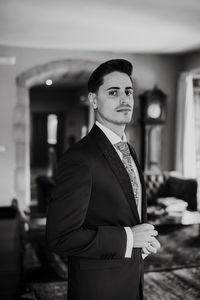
(123, 98)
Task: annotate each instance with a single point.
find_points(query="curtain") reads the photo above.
(185, 151)
(197, 125)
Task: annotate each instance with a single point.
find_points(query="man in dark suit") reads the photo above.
(97, 216)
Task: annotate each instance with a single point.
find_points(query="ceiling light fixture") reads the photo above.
(49, 82)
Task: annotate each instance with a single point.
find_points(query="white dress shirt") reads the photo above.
(114, 138)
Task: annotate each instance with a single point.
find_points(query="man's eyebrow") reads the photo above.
(118, 88)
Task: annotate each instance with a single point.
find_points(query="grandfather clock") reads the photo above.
(153, 108)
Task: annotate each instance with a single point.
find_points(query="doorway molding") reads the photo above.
(21, 120)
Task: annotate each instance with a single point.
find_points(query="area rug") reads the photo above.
(180, 247)
(173, 285)
(50, 291)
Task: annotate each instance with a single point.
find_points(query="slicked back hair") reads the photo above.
(96, 78)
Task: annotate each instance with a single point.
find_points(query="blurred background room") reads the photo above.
(47, 51)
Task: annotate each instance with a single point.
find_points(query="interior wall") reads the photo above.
(192, 61)
(148, 70)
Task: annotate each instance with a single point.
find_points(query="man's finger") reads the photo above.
(145, 251)
(151, 239)
(155, 244)
(154, 233)
(147, 226)
(151, 249)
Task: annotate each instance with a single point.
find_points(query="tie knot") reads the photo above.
(123, 148)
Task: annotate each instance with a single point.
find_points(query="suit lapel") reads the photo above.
(144, 204)
(116, 166)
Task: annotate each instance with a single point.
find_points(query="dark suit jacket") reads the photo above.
(92, 201)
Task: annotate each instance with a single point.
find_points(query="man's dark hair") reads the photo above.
(96, 78)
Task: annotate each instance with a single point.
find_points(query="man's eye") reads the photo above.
(129, 93)
(113, 93)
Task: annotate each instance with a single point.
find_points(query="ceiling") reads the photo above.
(140, 26)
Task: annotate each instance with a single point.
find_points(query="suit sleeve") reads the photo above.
(65, 232)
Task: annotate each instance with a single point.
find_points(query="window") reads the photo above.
(52, 124)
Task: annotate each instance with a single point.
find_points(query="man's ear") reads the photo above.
(93, 100)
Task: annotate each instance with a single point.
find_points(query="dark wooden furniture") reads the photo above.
(11, 253)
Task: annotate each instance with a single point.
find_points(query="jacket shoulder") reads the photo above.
(82, 151)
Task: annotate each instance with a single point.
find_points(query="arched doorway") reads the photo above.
(21, 123)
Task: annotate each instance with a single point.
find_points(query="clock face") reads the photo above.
(154, 111)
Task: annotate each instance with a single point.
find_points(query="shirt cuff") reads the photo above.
(129, 244)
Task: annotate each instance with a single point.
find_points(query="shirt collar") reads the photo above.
(112, 136)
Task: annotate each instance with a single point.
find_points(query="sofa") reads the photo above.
(171, 199)
(167, 185)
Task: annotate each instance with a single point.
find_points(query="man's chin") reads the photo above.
(124, 121)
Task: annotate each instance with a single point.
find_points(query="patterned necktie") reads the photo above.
(123, 148)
